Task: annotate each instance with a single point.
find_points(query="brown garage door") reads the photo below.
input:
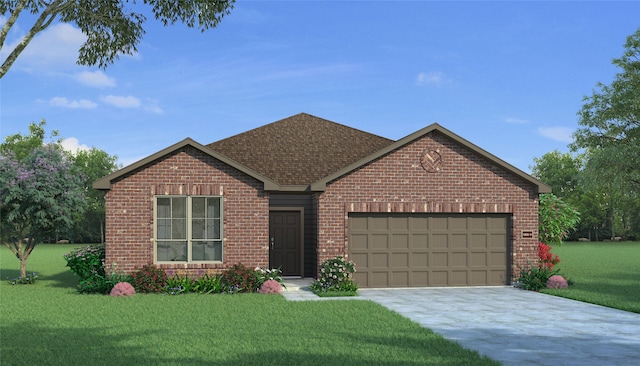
(405, 250)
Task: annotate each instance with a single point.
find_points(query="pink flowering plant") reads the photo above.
(335, 278)
(270, 287)
(557, 281)
(122, 289)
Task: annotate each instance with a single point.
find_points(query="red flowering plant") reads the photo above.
(149, 279)
(536, 277)
(547, 259)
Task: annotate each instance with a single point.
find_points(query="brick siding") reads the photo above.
(129, 205)
(397, 182)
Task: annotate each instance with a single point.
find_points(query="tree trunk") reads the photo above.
(23, 266)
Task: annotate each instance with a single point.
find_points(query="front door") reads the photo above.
(285, 242)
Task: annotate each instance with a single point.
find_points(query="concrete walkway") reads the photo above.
(513, 326)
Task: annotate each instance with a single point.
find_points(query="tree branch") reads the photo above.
(44, 20)
(11, 21)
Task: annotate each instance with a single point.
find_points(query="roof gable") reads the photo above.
(104, 183)
(299, 150)
(320, 185)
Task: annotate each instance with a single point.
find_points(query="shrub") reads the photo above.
(122, 289)
(335, 276)
(86, 261)
(557, 281)
(270, 287)
(535, 278)
(149, 279)
(98, 284)
(239, 278)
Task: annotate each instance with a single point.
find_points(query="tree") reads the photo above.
(611, 117)
(38, 195)
(110, 26)
(561, 171)
(611, 139)
(94, 164)
(24, 145)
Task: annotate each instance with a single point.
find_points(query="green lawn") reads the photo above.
(49, 324)
(604, 273)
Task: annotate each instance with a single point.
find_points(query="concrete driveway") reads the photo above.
(518, 327)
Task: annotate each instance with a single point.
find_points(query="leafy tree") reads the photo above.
(111, 27)
(611, 138)
(21, 146)
(555, 219)
(561, 171)
(611, 117)
(38, 195)
(94, 164)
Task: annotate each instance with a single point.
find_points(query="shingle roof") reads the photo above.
(301, 149)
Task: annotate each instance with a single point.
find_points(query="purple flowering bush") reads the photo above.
(270, 287)
(122, 289)
(335, 278)
(557, 281)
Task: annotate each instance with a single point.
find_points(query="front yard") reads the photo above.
(606, 273)
(49, 323)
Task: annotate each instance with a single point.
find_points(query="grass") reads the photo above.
(48, 323)
(606, 274)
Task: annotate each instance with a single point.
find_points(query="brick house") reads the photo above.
(430, 209)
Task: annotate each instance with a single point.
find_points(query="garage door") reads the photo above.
(406, 250)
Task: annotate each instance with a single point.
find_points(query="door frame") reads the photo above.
(301, 211)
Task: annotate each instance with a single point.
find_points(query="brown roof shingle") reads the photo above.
(301, 149)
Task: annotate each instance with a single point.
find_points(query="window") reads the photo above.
(188, 229)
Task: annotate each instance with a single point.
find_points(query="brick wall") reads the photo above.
(129, 205)
(397, 182)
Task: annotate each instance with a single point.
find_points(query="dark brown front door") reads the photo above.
(284, 246)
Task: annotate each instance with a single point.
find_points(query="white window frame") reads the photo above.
(189, 234)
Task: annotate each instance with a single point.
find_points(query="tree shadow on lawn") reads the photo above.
(31, 343)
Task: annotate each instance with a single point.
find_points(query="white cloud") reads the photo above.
(562, 134)
(96, 79)
(517, 121)
(55, 47)
(64, 102)
(152, 106)
(431, 78)
(73, 145)
(122, 102)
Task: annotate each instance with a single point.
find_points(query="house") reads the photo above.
(431, 209)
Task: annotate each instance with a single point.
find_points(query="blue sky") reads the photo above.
(507, 76)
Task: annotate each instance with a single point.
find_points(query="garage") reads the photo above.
(422, 249)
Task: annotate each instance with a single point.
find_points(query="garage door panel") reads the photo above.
(460, 260)
(399, 279)
(419, 241)
(400, 241)
(379, 279)
(439, 259)
(458, 241)
(439, 241)
(379, 241)
(379, 260)
(359, 242)
(398, 250)
(399, 260)
(419, 260)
